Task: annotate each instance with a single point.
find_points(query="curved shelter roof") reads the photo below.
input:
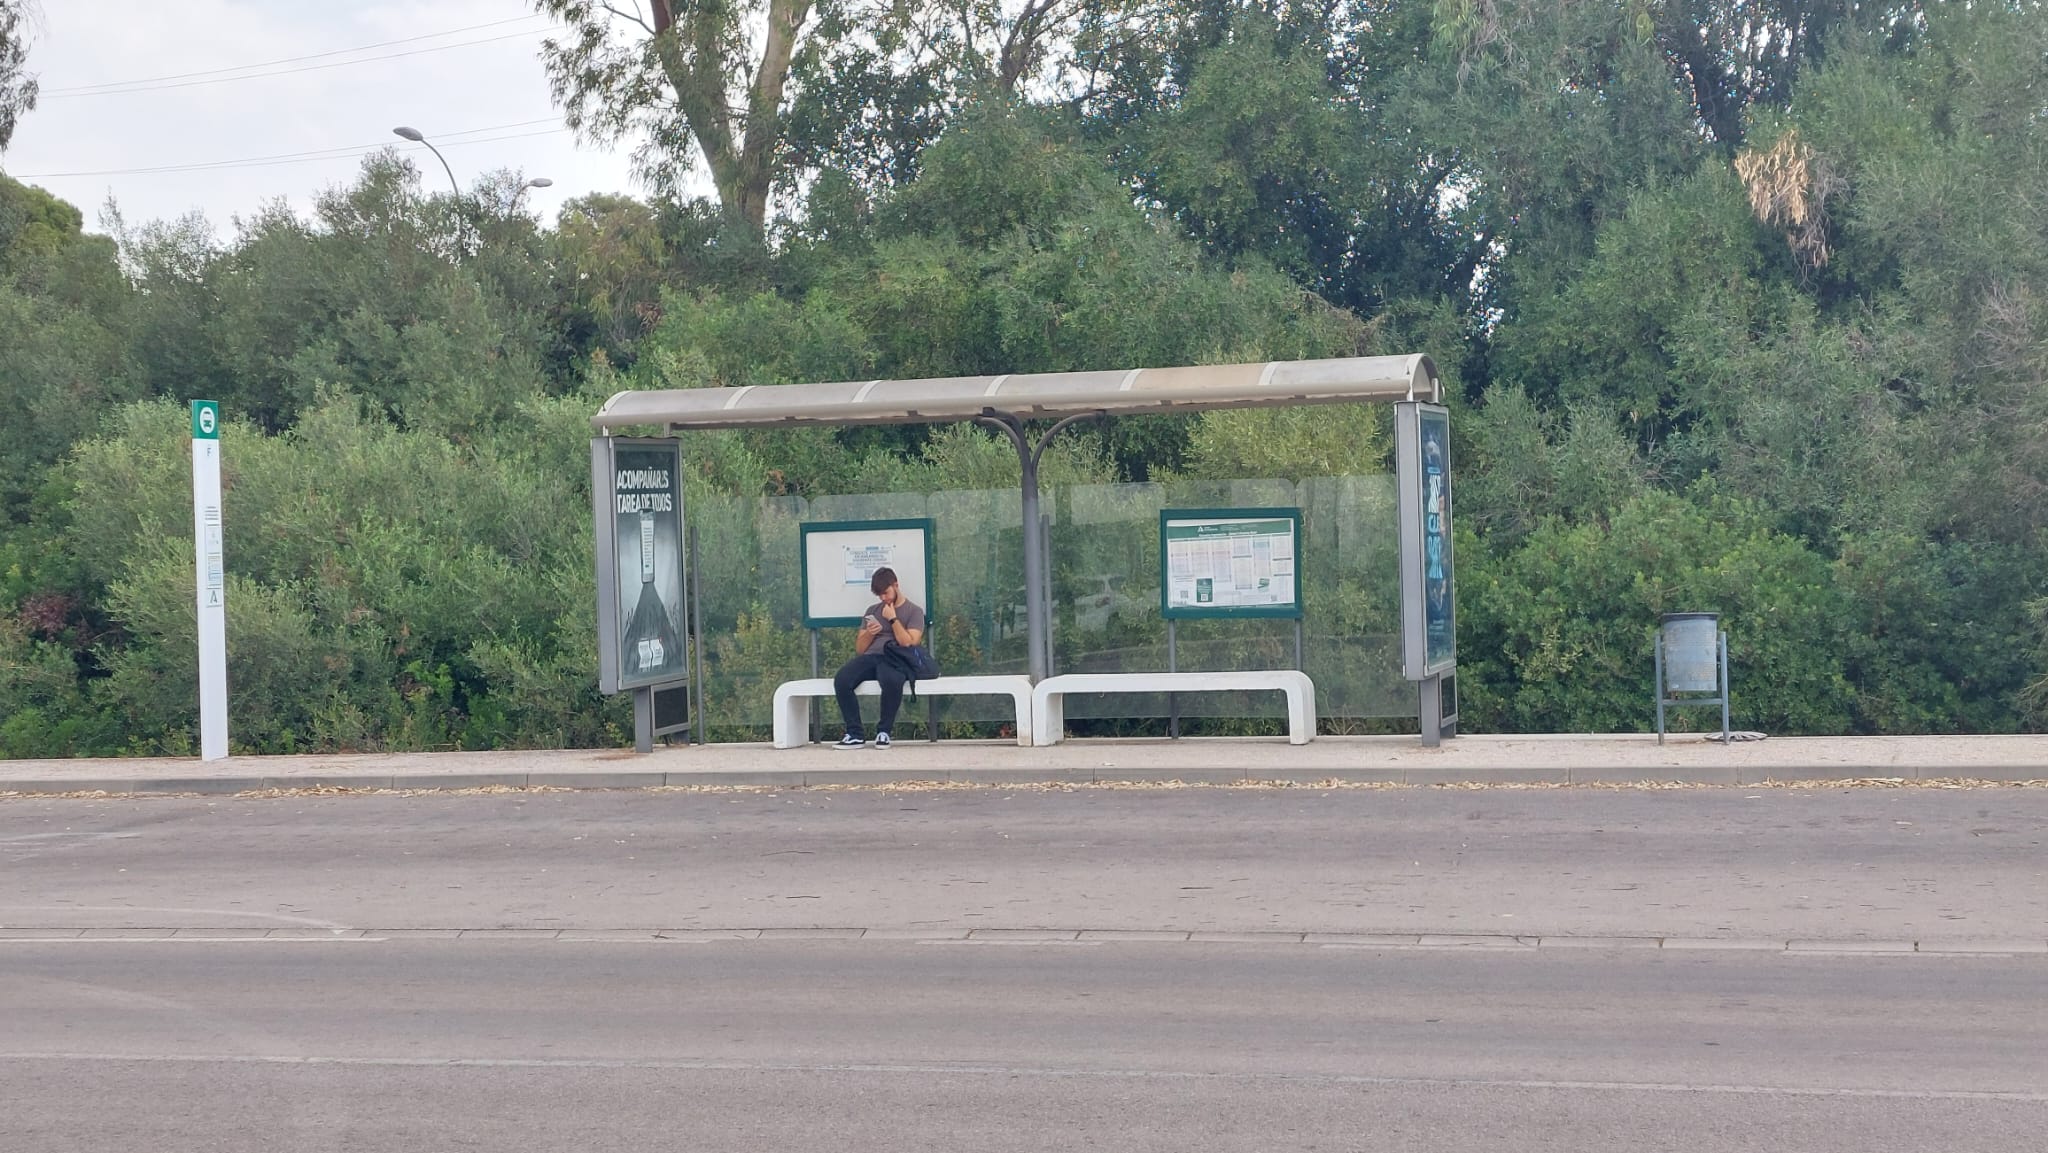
(1030, 396)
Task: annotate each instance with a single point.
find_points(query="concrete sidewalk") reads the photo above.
(1558, 759)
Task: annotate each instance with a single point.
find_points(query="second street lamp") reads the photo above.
(536, 182)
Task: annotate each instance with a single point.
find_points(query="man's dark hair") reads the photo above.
(880, 582)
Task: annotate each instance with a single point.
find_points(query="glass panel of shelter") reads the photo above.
(1104, 588)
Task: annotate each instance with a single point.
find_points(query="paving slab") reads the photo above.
(1338, 775)
(432, 780)
(597, 780)
(1170, 775)
(1795, 773)
(1474, 941)
(114, 785)
(1506, 774)
(1848, 946)
(331, 780)
(1597, 943)
(866, 775)
(197, 784)
(713, 779)
(1633, 775)
(1997, 947)
(2008, 774)
(999, 776)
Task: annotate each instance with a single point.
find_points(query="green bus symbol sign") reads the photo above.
(205, 420)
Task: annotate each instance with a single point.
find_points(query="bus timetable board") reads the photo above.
(1240, 562)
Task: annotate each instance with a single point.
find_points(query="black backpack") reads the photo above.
(914, 660)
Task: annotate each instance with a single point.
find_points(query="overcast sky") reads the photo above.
(472, 81)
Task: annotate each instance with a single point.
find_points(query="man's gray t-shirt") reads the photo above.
(911, 616)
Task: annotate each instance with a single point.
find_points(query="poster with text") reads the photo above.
(641, 485)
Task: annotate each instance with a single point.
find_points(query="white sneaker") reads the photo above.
(881, 740)
(849, 741)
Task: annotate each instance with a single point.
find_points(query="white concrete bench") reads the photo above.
(793, 701)
(1049, 713)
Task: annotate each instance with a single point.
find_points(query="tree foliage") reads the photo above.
(18, 86)
(688, 75)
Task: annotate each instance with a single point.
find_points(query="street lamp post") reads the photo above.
(418, 137)
(536, 182)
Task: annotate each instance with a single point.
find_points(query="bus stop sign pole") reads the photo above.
(212, 581)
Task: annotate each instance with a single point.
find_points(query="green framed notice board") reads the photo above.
(1229, 562)
(838, 557)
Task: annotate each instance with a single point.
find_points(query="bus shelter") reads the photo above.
(1030, 410)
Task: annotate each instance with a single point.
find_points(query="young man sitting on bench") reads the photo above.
(891, 623)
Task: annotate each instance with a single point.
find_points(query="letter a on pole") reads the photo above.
(212, 581)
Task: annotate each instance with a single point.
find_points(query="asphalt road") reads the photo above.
(390, 1042)
(749, 1045)
(1917, 864)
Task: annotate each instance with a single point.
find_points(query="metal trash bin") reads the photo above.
(1692, 657)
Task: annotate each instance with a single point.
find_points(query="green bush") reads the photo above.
(388, 588)
(1557, 634)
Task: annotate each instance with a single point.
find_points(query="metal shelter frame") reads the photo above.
(1009, 401)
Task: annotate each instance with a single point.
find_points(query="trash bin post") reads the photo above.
(1691, 657)
(1660, 685)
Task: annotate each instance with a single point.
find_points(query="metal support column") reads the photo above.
(1432, 718)
(1037, 597)
(815, 674)
(1724, 689)
(1045, 591)
(1659, 646)
(1172, 666)
(1035, 625)
(699, 728)
(643, 720)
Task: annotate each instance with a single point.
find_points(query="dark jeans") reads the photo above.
(869, 666)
